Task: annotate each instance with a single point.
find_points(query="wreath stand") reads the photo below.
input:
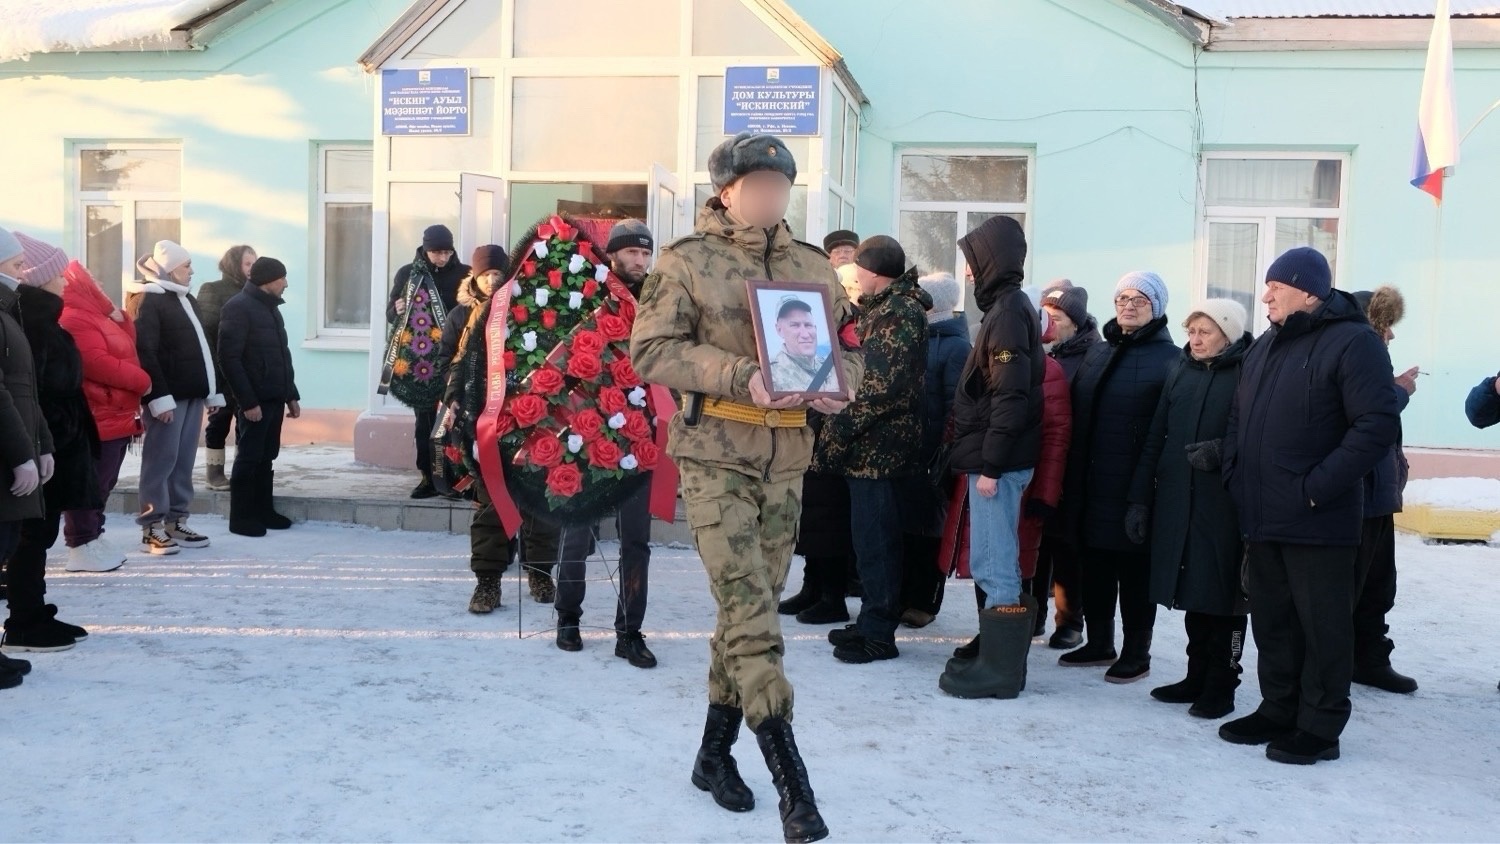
(523, 588)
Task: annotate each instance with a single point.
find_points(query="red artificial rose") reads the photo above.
(564, 231)
(549, 319)
(590, 287)
(587, 367)
(528, 269)
(545, 450)
(627, 311)
(547, 381)
(528, 409)
(521, 314)
(636, 427)
(564, 481)
(554, 279)
(646, 455)
(624, 374)
(505, 424)
(614, 327)
(510, 360)
(588, 344)
(587, 424)
(612, 401)
(604, 454)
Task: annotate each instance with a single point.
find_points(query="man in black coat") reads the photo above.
(1314, 413)
(436, 258)
(257, 362)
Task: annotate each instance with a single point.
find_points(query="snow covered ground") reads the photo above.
(327, 684)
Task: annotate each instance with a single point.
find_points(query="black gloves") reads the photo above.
(1137, 523)
(1039, 509)
(1205, 456)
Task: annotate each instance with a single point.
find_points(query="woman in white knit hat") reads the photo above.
(174, 352)
(1179, 492)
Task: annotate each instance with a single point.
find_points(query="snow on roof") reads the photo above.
(44, 26)
(1221, 10)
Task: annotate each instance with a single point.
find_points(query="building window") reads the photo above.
(1257, 206)
(946, 194)
(843, 141)
(129, 197)
(346, 174)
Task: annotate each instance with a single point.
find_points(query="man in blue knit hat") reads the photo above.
(1314, 413)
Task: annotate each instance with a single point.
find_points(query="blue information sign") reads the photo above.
(773, 100)
(424, 102)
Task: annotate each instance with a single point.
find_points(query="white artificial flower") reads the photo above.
(617, 421)
(575, 300)
(637, 397)
(542, 295)
(515, 289)
(528, 341)
(601, 272)
(539, 248)
(575, 265)
(629, 462)
(575, 443)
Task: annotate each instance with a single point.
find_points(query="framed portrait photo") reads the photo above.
(794, 334)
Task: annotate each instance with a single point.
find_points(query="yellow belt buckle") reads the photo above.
(773, 419)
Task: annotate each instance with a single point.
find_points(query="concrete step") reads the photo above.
(385, 513)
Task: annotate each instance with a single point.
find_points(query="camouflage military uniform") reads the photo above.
(791, 372)
(741, 482)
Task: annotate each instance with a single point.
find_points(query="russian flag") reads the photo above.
(1437, 120)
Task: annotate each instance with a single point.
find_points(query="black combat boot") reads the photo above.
(800, 821)
(715, 770)
(568, 637)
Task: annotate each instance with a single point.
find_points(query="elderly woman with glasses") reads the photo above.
(1115, 393)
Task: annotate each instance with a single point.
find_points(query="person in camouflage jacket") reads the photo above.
(741, 454)
(876, 444)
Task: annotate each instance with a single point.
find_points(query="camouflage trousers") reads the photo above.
(745, 530)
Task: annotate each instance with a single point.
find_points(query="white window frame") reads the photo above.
(961, 208)
(319, 335)
(125, 200)
(1266, 217)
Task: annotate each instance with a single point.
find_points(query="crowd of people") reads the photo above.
(1249, 482)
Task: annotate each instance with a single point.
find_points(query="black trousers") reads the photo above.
(26, 568)
(1108, 575)
(422, 432)
(216, 432)
(1302, 614)
(1214, 647)
(1376, 591)
(922, 582)
(258, 443)
(1058, 577)
(570, 548)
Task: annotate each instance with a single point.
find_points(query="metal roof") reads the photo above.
(1222, 10)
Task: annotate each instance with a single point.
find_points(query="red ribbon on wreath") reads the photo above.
(488, 427)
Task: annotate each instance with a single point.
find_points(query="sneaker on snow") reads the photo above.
(186, 536)
(156, 540)
(37, 638)
(96, 556)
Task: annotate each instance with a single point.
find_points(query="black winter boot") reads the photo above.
(1004, 644)
(1199, 647)
(808, 596)
(1096, 653)
(715, 770)
(800, 821)
(486, 593)
(266, 481)
(1372, 667)
(244, 504)
(1222, 674)
(1135, 659)
(568, 637)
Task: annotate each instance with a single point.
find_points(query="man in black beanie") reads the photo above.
(841, 246)
(435, 259)
(257, 363)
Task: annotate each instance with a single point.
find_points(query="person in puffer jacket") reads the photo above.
(113, 383)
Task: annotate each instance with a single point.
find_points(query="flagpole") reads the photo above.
(1487, 113)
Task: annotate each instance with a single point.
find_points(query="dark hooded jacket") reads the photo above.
(1115, 393)
(1196, 547)
(880, 434)
(997, 413)
(1314, 413)
(59, 391)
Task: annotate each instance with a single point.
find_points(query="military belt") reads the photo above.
(752, 415)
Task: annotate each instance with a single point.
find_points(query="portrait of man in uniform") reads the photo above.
(796, 345)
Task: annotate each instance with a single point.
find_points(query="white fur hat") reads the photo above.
(1228, 314)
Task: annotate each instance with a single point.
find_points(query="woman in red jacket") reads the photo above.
(113, 382)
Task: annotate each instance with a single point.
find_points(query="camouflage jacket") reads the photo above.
(880, 434)
(693, 333)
